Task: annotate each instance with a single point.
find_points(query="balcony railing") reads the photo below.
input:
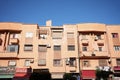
(96, 53)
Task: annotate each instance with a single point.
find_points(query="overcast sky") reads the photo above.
(60, 11)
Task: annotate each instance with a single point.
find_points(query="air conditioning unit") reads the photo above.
(48, 46)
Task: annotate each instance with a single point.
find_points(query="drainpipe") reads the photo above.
(78, 54)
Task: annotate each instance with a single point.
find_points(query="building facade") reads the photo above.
(78, 49)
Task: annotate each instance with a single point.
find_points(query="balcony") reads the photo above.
(14, 40)
(96, 54)
(8, 54)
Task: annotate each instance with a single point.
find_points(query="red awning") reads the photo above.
(88, 74)
(21, 75)
(116, 68)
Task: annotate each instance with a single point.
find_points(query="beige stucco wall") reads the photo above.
(108, 52)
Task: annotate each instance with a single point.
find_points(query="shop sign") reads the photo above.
(23, 70)
(7, 70)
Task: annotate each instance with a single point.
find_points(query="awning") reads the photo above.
(21, 75)
(88, 74)
(6, 76)
(116, 68)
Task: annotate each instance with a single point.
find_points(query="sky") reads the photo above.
(60, 11)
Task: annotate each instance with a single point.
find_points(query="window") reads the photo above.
(57, 34)
(117, 48)
(70, 35)
(84, 48)
(12, 48)
(27, 63)
(41, 62)
(29, 35)
(12, 63)
(102, 63)
(28, 47)
(57, 48)
(42, 48)
(71, 47)
(118, 62)
(86, 63)
(100, 48)
(114, 35)
(72, 62)
(56, 62)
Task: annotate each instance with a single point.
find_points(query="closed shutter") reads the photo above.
(42, 48)
(57, 35)
(70, 35)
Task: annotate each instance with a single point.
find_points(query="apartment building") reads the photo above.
(78, 49)
(114, 48)
(93, 49)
